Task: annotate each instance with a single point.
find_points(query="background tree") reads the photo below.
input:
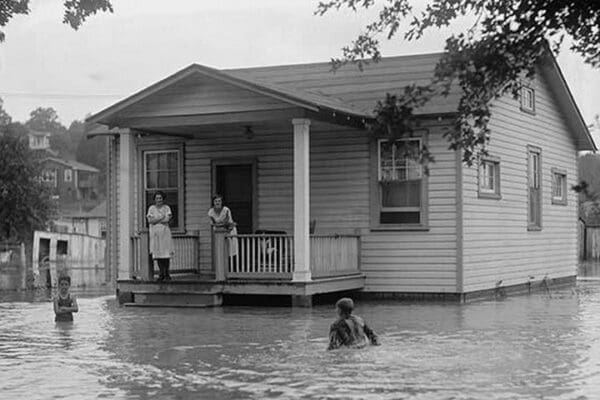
(5, 119)
(506, 41)
(90, 151)
(76, 11)
(25, 203)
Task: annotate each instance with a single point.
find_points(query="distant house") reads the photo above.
(70, 180)
(287, 145)
(39, 142)
(91, 223)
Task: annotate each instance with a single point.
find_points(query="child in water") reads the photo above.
(65, 304)
(349, 330)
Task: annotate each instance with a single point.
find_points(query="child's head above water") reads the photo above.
(345, 306)
(64, 282)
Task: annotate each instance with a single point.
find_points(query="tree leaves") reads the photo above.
(24, 200)
(76, 11)
(507, 40)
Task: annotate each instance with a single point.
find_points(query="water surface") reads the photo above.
(543, 346)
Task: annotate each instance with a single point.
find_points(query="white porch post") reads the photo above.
(301, 200)
(125, 203)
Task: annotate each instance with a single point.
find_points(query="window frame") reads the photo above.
(375, 191)
(563, 199)
(68, 172)
(534, 225)
(485, 193)
(154, 148)
(527, 108)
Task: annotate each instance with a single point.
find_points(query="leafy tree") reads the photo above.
(25, 203)
(506, 41)
(91, 151)
(76, 11)
(5, 119)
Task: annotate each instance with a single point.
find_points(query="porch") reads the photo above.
(263, 266)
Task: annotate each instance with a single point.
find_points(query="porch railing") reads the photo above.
(266, 256)
(185, 258)
(260, 256)
(334, 255)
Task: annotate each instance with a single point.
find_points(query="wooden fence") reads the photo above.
(589, 248)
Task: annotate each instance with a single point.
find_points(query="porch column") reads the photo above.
(301, 200)
(125, 202)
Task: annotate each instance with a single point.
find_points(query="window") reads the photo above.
(534, 221)
(400, 183)
(489, 177)
(527, 99)
(68, 175)
(49, 176)
(559, 186)
(163, 171)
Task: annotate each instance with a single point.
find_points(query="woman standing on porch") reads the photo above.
(220, 216)
(161, 243)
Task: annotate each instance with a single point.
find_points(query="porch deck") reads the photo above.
(261, 265)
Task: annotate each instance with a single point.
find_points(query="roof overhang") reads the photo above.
(565, 100)
(315, 104)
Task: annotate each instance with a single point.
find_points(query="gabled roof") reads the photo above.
(348, 91)
(32, 132)
(73, 164)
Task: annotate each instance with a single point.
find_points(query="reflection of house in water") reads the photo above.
(286, 145)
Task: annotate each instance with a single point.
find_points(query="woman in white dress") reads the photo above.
(220, 216)
(161, 242)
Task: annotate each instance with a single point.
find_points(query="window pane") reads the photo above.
(172, 161)
(173, 181)
(152, 160)
(151, 179)
(401, 194)
(162, 161)
(163, 179)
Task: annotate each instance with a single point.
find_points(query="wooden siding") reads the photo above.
(497, 244)
(425, 260)
(340, 200)
(198, 95)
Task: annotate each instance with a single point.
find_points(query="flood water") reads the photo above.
(542, 346)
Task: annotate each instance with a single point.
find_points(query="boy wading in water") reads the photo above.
(64, 303)
(349, 330)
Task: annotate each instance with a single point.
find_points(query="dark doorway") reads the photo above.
(235, 184)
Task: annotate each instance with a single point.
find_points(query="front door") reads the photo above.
(235, 184)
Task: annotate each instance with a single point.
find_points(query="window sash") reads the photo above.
(527, 98)
(161, 171)
(488, 182)
(534, 216)
(400, 181)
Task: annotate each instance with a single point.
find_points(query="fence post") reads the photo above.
(220, 256)
(23, 267)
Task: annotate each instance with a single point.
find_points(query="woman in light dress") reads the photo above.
(220, 216)
(161, 242)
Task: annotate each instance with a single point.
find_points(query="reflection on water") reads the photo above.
(536, 346)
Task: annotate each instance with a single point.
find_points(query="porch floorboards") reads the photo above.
(193, 290)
